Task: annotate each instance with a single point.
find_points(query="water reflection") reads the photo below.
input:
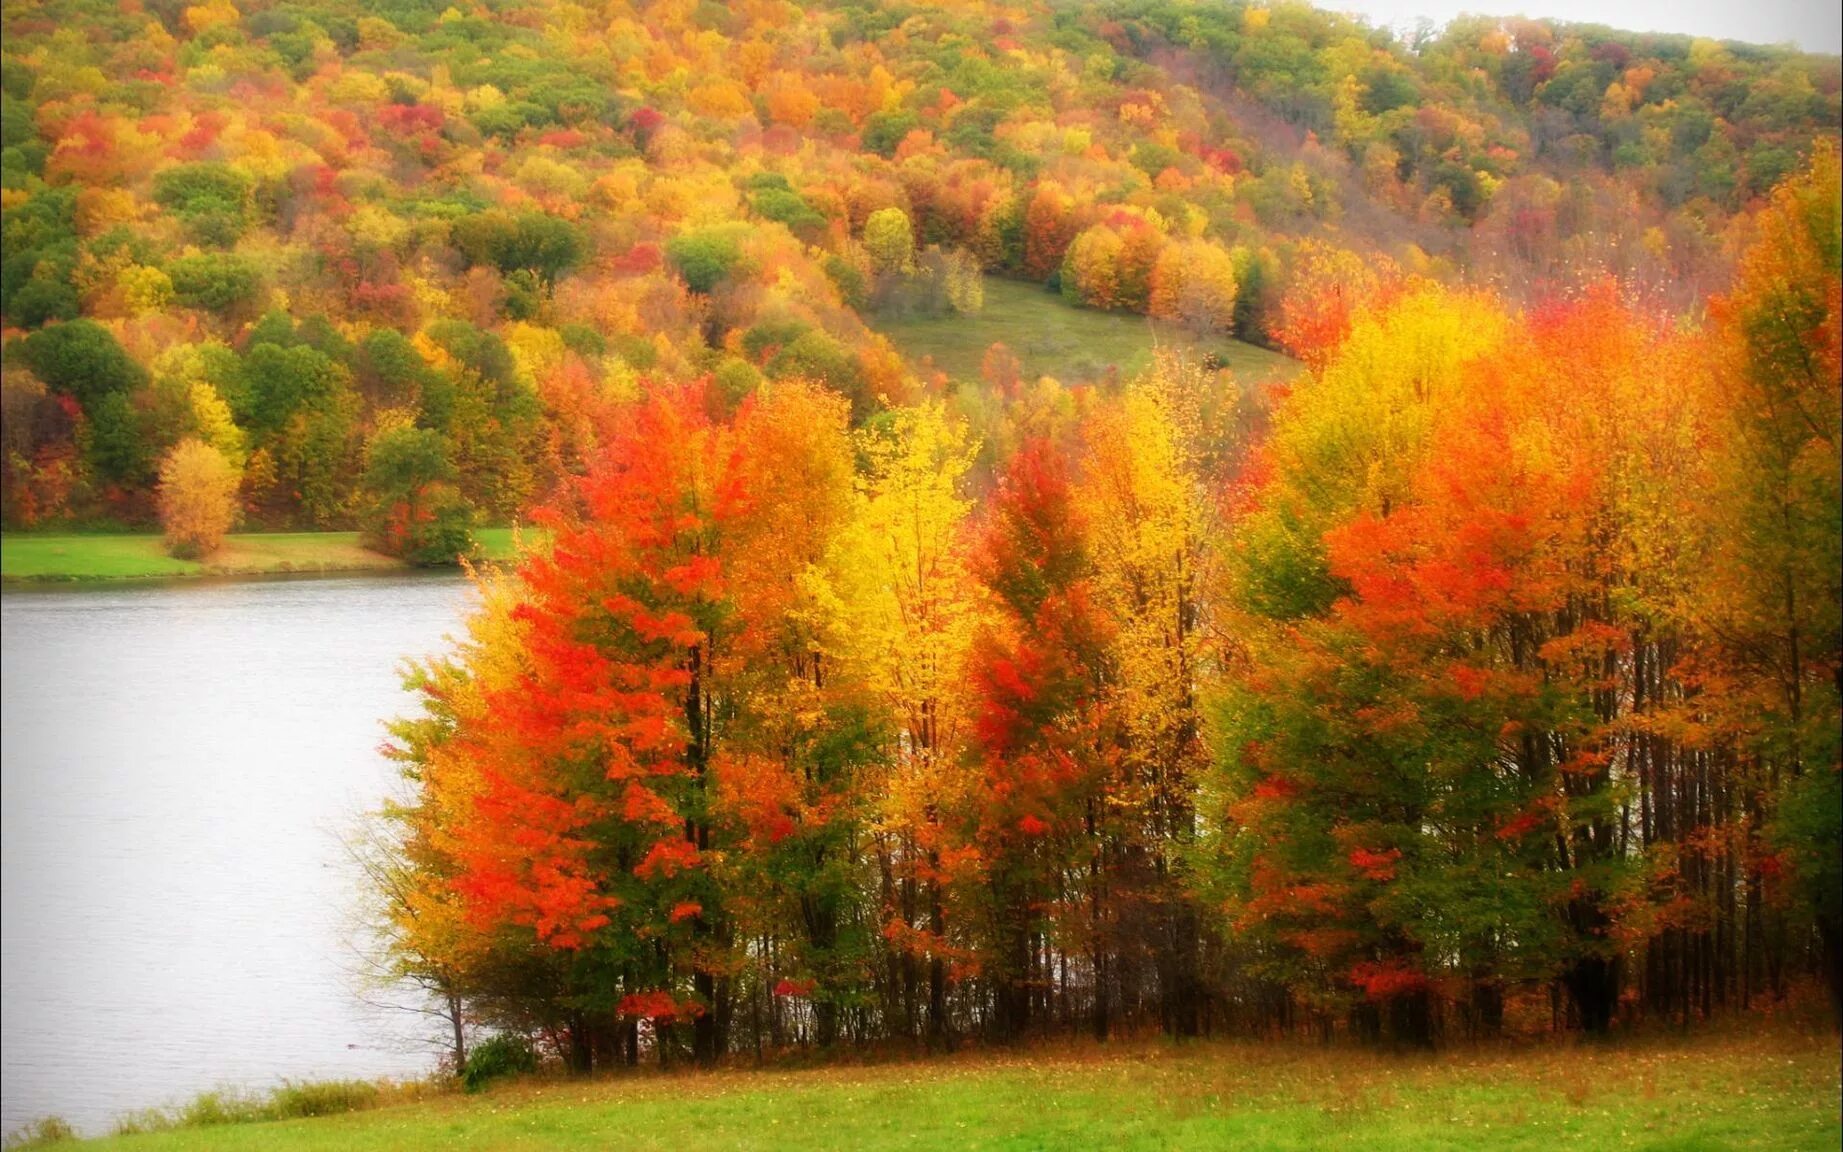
(179, 764)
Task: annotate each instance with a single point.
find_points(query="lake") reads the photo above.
(181, 763)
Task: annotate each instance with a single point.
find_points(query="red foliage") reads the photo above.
(410, 119)
(1378, 866)
(1389, 980)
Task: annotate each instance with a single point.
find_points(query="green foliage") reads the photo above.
(495, 1058)
(114, 444)
(849, 281)
(40, 301)
(705, 258)
(414, 510)
(542, 245)
(38, 252)
(17, 125)
(815, 356)
(225, 1107)
(41, 1133)
(788, 207)
(279, 381)
(736, 379)
(885, 131)
(213, 200)
(388, 368)
(220, 282)
(81, 358)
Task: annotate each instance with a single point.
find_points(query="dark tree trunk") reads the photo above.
(705, 1028)
(602, 1042)
(579, 1052)
(1487, 1009)
(1411, 1019)
(1013, 992)
(1593, 988)
(937, 966)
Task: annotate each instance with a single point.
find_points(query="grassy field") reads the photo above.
(1699, 1095)
(32, 557)
(1053, 337)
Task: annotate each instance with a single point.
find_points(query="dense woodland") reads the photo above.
(1484, 677)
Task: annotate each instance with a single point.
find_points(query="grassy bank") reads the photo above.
(1698, 1095)
(47, 558)
(1054, 338)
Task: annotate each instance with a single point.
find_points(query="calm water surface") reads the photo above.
(180, 766)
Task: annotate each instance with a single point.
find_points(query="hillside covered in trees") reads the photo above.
(395, 262)
(1483, 676)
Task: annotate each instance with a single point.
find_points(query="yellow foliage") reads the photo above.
(1365, 420)
(353, 87)
(544, 177)
(899, 577)
(1141, 497)
(378, 228)
(198, 498)
(376, 34)
(1193, 284)
(537, 351)
(212, 14)
(99, 209)
(721, 99)
(212, 418)
(144, 289)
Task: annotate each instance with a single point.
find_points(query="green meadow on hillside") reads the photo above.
(1052, 337)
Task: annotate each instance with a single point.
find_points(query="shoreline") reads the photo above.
(78, 560)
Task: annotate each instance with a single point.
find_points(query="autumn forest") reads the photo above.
(1477, 675)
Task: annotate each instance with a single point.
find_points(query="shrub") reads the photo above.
(221, 1106)
(504, 1055)
(294, 1100)
(321, 1098)
(41, 1133)
(198, 499)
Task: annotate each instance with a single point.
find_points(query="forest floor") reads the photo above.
(1052, 337)
(51, 558)
(1663, 1094)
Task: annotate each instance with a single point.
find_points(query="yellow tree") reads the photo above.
(905, 593)
(198, 498)
(802, 733)
(1773, 596)
(1143, 501)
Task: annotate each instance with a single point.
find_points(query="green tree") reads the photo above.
(413, 509)
(705, 258)
(81, 358)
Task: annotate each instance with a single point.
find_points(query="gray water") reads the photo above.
(180, 766)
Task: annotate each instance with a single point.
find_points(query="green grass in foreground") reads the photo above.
(1054, 338)
(1701, 1095)
(84, 556)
